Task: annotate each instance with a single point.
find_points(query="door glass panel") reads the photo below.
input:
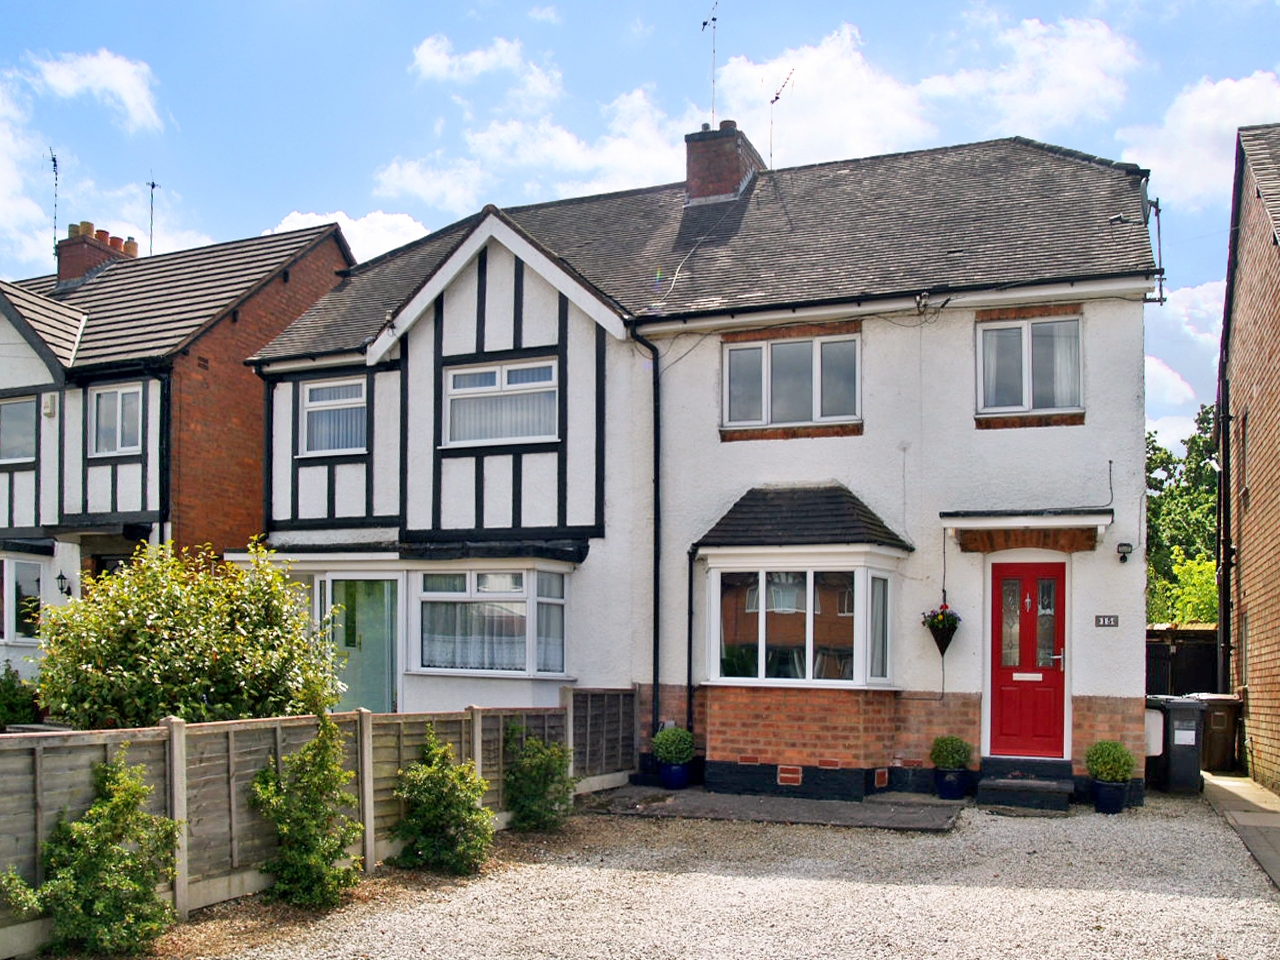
(833, 620)
(784, 624)
(739, 625)
(1046, 623)
(1010, 621)
(364, 632)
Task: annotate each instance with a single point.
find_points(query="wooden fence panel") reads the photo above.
(604, 731)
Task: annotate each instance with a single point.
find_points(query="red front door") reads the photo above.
(1028, 636)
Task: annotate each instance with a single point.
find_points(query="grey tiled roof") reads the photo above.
(792, 516)
(1261, 146)
(151, 306)
(57, 325)
(1000, 213)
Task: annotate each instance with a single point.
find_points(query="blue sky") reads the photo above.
(398, 117)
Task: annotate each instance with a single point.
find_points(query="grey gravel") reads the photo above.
(1168, 880)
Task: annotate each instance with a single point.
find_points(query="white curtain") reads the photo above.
(465, 635)
(503, 416)
(1055, 364)
(335, 428)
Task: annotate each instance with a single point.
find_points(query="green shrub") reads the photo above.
(305, 804)
(1110, 761)
(950, 753)
(17, 698)
(181, 633)
(673, 745)
(538, 788)
(101, 871)
(444, 826)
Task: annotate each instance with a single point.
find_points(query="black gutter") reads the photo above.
(657, 519)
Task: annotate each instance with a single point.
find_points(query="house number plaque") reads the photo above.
(1106, 620)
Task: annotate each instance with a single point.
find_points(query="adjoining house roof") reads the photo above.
(58, 325)
(995, 214)
(1261, 145)
(151, 306)
(800, 515)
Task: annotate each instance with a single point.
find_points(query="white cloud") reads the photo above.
(545, 14)
(1172, 432)
(25, 232)
(451, 185)
(368, 236)
(1056, 75)
(836, 105)
(1165, 385)
(1184, 333)
(640, 30)
(537, 89)
(434, 59)
(1192, 153)
(114, 80)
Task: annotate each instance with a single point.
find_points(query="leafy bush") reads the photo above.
(538, 788)
(17, 698)
(181, 633)
(305, 805)
(950, 753)
(1110, 761)
(673, 745)
(101, 871)
(444, 826)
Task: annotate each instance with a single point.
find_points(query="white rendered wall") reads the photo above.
(21, 367)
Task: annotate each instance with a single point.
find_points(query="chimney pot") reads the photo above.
(86, 228)
(102, 236)
(116, 244)
(706, 127)
(73, 230)
(728, 124)
(130, 247)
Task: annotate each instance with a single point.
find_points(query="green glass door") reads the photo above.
(364, 632)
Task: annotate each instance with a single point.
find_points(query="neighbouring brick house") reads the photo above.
(725, 439)
(126, 411)
(1249, 451)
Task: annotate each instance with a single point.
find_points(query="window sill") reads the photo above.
(333, 456)
(121, 456)
(503, 442)
(1010, 421)
(489, 674)
(728, 434)
(801, 684)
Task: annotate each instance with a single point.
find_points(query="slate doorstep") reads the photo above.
(884, 812)
(1025, 793)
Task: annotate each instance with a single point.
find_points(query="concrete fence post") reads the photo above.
(178, 807)
(566, 703)
(364, 776)
(477, 738)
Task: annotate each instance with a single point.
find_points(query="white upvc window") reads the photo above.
(17, 430)
(829, 623)
(514, 402)
(792, 381)
(333, 416)
(1029, 365)
(115, 420)
(20, 600)
(502, 621)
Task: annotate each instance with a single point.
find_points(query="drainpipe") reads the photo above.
(1225, 550)
(688, 652)
(657, 518)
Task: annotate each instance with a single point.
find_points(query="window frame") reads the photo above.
(1028, 396)
(529, 593)
(766, 346)
(501, 387)
(865, 564)
(307, 405)
(120, 390)
(9, 613)
(35, 428)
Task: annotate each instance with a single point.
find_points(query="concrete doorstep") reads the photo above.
(1253, 811)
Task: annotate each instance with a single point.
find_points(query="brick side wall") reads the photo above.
(1108, 718)
(216, 435)
(1255, 390)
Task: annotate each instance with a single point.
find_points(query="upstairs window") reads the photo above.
(18, 430)
(1029, 365)
(115, 420)
(791, 382)
(334, 416)
(501, 403)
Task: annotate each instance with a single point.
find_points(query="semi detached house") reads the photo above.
(725, 440)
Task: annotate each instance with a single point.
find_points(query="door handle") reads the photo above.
(1061, 658)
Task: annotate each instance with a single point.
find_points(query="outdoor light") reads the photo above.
(64, 585)
(1124, 549)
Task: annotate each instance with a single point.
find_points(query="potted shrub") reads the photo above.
(1111, 765)
(673, 749)
(950, 757)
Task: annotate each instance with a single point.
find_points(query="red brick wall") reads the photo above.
(1254, 371)
(217, 439)
(1108, 718)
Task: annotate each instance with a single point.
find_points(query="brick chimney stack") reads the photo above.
(84, 249)
(718, 163)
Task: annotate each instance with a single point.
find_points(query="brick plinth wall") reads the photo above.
(217, 437)
(1108, 718)
(672, 708)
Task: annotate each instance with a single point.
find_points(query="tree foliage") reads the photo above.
(1182, 504)
(178, 632)
(444, 825)
(538, 788)
(102, 870)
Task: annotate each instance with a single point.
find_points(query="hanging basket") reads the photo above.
(942, 636)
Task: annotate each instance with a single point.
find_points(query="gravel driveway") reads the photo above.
(1169, 880)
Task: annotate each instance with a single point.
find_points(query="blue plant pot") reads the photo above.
(673, 776)
(1109, 797)
(951, 783)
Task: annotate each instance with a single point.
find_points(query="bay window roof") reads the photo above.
(800, 515)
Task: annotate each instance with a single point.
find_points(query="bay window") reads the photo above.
(19, 601)
(18, 429)
(501, 403)
(510, 621)
(333, 414)
(115, 420)
(791, 381)
(1029, 365)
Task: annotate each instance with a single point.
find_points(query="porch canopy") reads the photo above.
(1065, 529)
